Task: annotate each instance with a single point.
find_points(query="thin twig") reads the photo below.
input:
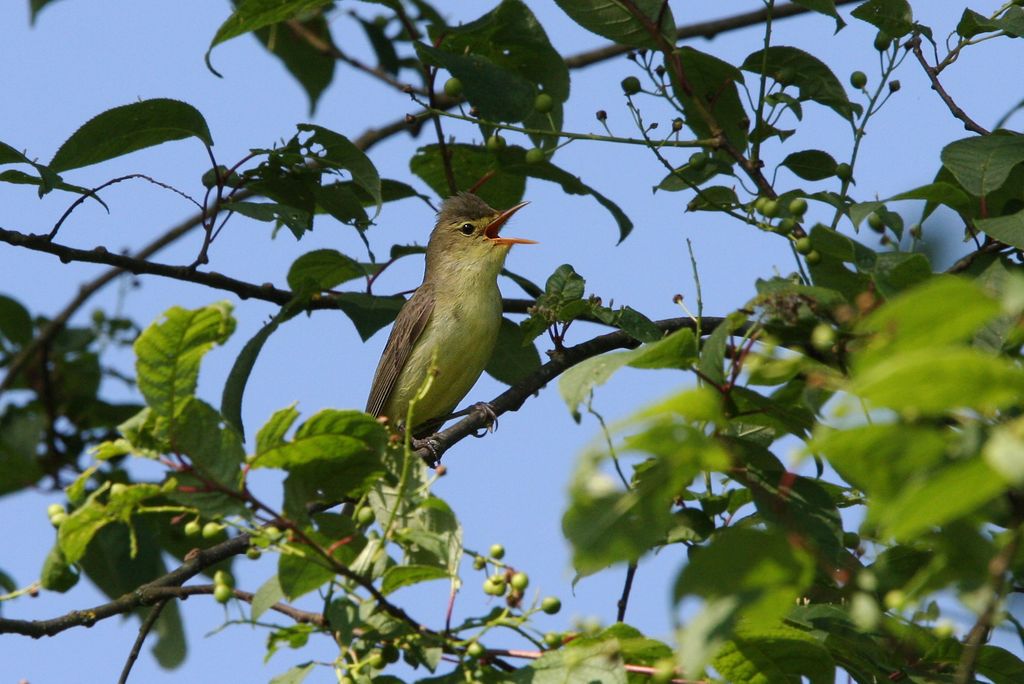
(627, 586)
(933, 76)
(147, 625)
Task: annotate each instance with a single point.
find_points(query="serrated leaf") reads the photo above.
(168, 353)
(330, 434)
(267, 595)
(826, 7)
(128, 128)
(775, 654)
(1007, 229)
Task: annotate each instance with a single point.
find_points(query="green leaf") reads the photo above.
(15, 322)
(894, 272)
(1008, 229)
(775, 654)
(761, 568)
(168, 353)
(514, 357)
(943, 311)
(57, 574)
(712, 354)
(678, 350)
(469, 163)
(826, 7)
(611, 20)
(312, 67)
(592, 663)
(938, 193)
(565, 284)
(814, 79)
(298, 220)
(21, 431)
(894, 17)
(972, 24)
(498, 94)
(369, 313)
(266, 596)
(880, 459)
(301, 572)
(215, 450)
(334, 151)
(1000, 665)
(512, 39)
(322, 269)
(250, 15)
(983, 163)
(128, 128)
(712, 89)
(295, 675)
(811, 164)
(934, 381)
(953, 492)
(400, 576)
(330, 434)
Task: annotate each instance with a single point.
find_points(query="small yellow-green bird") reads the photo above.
(451, 323)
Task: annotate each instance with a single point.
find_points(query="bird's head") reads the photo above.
(467, 235)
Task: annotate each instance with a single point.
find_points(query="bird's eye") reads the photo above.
(467, 229)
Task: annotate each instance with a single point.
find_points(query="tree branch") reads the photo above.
(933, 76)
(144, 630)
(512, 399)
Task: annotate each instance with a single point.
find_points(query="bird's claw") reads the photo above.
(490, 414)
(431, 445)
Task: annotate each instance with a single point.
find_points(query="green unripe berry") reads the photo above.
(551, 605)
(497, 551)
(677, 124)
(944, 628)
(211, 529)
(479, 563)
(882, 41)
(798, 207)
(492, 588)
(844, 171)
(209, 178)
(543, 103)
(770, 208)
(803, 245)
(535, 155)
(664, 670)
(858, 79)
(55, 508)
(552, 639)
(698, 160)
(253, 553)
(894, 600)
(894, 86)
(631, 85)
(520, 581)
(118, 489)
(365, 516)
(223, 577)
(813, 258)
(759, 204)
(389, 653)
(222, 593)
(876, 223)
(375, 660)
(272, 532)
(851, 540)
(785, 226)
(823, 337)
(192, 528)
(495, 143)
(58, 518)
(453, 87)
(475, 650)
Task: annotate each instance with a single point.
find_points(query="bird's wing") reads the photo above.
(409, 324)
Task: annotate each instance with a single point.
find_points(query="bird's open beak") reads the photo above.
(494, 227)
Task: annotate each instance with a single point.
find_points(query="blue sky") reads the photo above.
(82, 58)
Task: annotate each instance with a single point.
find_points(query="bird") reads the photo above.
(450, 325)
